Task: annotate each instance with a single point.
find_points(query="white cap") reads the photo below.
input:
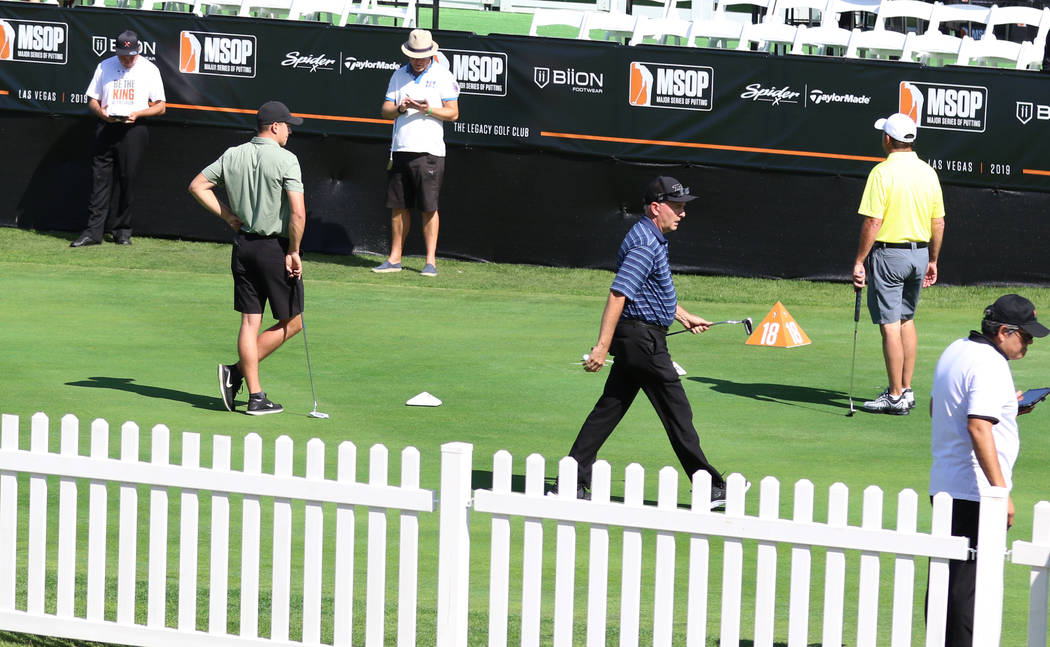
(899, 126)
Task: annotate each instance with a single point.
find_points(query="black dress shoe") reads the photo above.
(84, 241)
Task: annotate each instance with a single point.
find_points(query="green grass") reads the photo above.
(135, 334)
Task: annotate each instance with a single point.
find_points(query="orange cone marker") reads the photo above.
(779, 329)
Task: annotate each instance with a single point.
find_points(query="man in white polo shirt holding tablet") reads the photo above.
(974, 434)
(421, 96)
(124, 89)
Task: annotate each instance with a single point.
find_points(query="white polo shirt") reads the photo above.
(972, 378)
(414, 131)
(121, 91)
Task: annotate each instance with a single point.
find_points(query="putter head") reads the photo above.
(317, 414)
(749, 327)
(851, 410)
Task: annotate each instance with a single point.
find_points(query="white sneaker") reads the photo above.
(909, 397)
(886, 403)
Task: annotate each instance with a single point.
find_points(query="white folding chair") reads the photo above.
(880, 42)
(556, 18)
(661, 29)
(614, 25)
(725, 26)
(216, 7)
(991, 50)
(153, 5)
(828, 37)
(936, 45)
(265, 8)
(776, 29)
(370, 11)
(335, 10)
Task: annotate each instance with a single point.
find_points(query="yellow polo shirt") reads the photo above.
(905, 194)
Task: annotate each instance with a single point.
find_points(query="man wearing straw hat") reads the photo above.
(421, 96)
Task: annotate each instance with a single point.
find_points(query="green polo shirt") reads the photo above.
(256, 176)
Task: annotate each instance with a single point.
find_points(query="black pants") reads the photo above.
(962, 577)
(642, 362)
(115, 157)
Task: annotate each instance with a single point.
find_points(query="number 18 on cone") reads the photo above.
(779, 329)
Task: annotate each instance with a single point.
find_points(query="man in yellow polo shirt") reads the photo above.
(900, 240)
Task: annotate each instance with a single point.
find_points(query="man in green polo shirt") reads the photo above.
(900, 241)
(265, 189)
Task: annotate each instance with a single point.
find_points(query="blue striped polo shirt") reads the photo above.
(643, 275)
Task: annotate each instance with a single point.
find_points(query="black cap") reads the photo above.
(273, 112)
(1015, 310)
(667, 189)
(127, 43)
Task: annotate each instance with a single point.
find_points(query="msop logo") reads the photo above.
(202, 52)
(663, 85)
(483, 73)
(34, 41)
(945, 107)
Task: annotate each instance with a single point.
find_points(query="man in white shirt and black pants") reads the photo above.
(124, 89)
(974, 435)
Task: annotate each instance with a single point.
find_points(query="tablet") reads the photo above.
(1030, 397)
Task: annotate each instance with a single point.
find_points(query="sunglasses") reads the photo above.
(1026, 337)
(673, 196)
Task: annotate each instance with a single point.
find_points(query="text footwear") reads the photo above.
(262, 406)
(229, 384)
(886, 403)
(429, 270)
(387, 266)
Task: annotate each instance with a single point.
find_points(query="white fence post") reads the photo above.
(991, 557)
(454, 544)
(8, 516)
(1039, 579)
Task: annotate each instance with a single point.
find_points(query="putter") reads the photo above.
(309, 369)
(853, 364)
(749, 327)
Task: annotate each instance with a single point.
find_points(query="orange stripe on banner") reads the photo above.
(745, 149)
(1034, 171)
(5, 92)
(366, 120)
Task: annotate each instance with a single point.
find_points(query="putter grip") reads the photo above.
(856, 307)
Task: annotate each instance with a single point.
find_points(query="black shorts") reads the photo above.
(259, 276)
(414, 181)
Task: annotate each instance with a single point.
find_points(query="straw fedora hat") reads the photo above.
(420, 44)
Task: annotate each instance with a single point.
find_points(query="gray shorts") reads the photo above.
(894, 282)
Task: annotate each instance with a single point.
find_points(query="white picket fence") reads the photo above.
(282, 504)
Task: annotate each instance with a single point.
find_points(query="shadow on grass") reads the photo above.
(482, 480)
(41, 641)
(128, 384)
(751, 643)
(790, 394)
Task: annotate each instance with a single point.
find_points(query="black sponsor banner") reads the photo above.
(979, 127)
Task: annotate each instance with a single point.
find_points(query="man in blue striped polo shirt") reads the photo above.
(642, 305)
